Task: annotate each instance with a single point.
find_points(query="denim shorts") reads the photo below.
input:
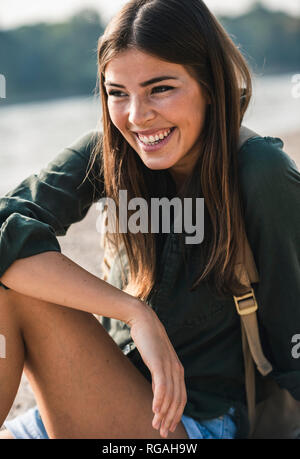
(30, 426)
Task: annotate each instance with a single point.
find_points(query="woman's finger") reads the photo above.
(176, 408)
(172, 410)
(159, 387)
(163, 398)
(182, 404)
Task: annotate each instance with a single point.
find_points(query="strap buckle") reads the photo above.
(248, 308)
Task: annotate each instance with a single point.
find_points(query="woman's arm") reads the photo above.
(53, 277)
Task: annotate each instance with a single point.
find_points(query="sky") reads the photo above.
(19, 12)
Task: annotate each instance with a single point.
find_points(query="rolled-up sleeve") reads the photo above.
(270, 182)
(44, 205)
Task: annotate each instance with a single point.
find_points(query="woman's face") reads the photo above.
(159, 108)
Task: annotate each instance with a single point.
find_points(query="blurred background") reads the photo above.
(48, 59)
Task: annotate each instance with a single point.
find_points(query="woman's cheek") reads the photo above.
(116, 118)
(171, 104)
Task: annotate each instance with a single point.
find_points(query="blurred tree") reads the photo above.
(269, 40)
(51, 60)
(58, 60)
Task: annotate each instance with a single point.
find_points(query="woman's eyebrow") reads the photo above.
(145, 83)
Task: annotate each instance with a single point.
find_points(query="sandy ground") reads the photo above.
(81, 244)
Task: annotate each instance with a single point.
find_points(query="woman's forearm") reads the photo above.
(53, 277)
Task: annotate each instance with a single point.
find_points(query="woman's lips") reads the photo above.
(158, 146)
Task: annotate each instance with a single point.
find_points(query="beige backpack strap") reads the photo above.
(247, 306)
(249, 379)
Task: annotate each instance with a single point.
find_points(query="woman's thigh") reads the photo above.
(84, 385)
(29, 425)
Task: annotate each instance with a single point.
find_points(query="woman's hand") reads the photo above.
(166, 369)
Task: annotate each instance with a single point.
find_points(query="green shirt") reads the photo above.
(204, 329)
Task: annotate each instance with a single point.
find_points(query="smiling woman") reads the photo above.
(174, 91)
(206, 91)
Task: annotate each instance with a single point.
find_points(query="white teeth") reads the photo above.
(156, 138)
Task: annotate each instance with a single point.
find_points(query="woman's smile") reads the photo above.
(155, 141)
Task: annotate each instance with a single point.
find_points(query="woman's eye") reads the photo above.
(116, 93)
(157, 89)
(162, 88)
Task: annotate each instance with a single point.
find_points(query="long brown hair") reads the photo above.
(187, 33)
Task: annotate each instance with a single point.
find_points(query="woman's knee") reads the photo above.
(6, 302)
(32, 313)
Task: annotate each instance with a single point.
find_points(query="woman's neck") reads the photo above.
(181, 171)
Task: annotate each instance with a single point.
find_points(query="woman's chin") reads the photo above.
(158, 164)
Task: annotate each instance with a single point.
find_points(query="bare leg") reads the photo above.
(84, 386)
(11, 366)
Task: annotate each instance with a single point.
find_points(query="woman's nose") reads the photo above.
(140, 112)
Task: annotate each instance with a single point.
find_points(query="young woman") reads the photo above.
(174, 92)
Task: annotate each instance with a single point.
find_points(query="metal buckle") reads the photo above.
(249, 309)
